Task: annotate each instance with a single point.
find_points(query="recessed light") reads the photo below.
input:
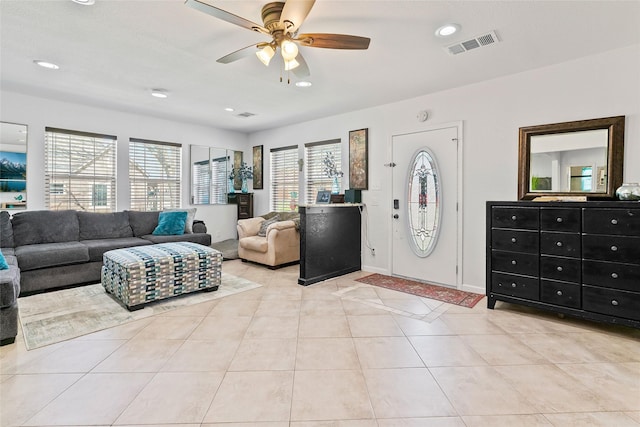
(303, 84)
(46, 64)
(84, 2)
(159, 93)
(447, 30)
(229, 109)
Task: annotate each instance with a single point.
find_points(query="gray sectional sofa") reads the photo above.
(52, 249)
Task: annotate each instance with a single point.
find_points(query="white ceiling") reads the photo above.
(112, 53)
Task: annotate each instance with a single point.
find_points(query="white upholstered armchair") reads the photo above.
(269, 241)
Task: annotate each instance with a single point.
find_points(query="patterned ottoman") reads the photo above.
(142, 274)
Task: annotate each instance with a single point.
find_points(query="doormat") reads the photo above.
(440, 293)
(52, 317)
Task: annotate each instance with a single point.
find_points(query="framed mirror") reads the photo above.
(210, 169)
(580, 158)
(13, 166)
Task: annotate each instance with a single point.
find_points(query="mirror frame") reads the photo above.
(615, 155)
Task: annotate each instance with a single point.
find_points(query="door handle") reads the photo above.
(396, 216)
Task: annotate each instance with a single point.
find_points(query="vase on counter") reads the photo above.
(628, 191)
(335, 188)
(245, 185)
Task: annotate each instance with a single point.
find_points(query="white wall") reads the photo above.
(492, 111)
(38, 113)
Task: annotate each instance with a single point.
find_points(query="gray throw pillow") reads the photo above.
(265, 224)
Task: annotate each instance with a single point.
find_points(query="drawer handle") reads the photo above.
(558, 219)
(513, 217)
(614, 275)
(559, 293)
(614, 221)
(513, 285)
(513, 240)
(499, 285)
(514, 262)
(559, 268)
(559, 244)
(614, 248)
(614, 302)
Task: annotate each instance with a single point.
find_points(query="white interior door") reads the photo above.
(440, 266)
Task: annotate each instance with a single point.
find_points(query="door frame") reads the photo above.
(459, 199)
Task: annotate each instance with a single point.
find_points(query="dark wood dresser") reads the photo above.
(244, 202)
(330, 241)
(576, 258)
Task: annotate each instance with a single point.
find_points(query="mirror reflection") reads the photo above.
(569, 162)
(210, 168)
(13, 166)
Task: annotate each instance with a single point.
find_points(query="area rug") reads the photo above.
(57, 316)
(229, 248)
(440, 293)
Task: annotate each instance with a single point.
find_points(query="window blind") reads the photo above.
(210, 181)
(316, 178)
(284, 179)
(154, 174)
(80, 170)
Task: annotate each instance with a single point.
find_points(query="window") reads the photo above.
(316, 178)
(154, 174)
(80, 170)
(284, 179)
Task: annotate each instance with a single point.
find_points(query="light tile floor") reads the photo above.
(337, 353)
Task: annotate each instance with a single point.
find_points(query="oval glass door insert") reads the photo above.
(423, 200)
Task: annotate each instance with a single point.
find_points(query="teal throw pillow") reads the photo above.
(3, 262)
(171, 223)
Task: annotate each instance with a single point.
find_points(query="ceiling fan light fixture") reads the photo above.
(265, 54)
(447, 30)
(290, 65)
(289, 50)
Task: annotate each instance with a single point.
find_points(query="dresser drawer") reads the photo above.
(558, 268)
(506, 217)
(560, 293)
(611, 248)
(559, 219)
(612, 302)
(611, 221)
(611, 275)
(516, 286)
(562, 244)
(514, 240)
(515, 262)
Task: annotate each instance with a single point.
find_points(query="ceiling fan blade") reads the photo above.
(334, 41)
(226, 16)
(238, 54)
(294, 13)
(301, 70)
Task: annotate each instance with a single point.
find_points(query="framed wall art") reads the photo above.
(257, 167)
(358, 159)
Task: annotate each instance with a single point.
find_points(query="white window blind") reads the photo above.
(284, 179)
(316, 178)
(80, 170)
(210, 183)
(154, 174)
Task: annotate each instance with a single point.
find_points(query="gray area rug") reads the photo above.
(57, 316)
(229, 248)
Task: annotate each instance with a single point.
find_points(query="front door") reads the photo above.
(440, 266)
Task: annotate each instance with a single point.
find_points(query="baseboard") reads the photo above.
(370, 269)
(472, 288)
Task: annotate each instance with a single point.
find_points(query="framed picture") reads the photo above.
(237, 162)
(358, 159)
(324, 196)
(257, 167)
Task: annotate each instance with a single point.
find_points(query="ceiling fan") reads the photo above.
(282, 20)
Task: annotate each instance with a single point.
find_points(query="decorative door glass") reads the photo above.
(423, 199)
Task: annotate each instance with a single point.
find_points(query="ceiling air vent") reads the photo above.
(474, 43)
(246, 114)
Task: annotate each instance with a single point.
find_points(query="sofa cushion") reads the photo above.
(170, 223)
(143, 223)
(95, 225)
(9, 285)
(254, 243)
(31, 257)
(191, 216)
(6, 230)
(32, 227)
(201, 238)
(98, 247)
